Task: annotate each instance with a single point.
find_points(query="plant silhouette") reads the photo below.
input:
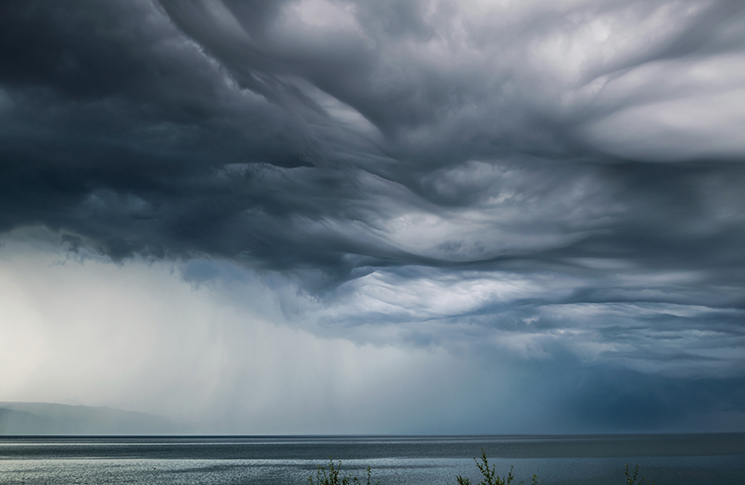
(489, 474)
(332, 475)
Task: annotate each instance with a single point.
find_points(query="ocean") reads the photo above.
(700, 459)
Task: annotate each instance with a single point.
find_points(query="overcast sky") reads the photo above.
(351, 216)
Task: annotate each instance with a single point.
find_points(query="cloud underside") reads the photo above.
(541, 177)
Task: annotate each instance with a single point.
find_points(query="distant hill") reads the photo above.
(33, 418)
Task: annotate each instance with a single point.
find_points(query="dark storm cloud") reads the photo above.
(545, 178)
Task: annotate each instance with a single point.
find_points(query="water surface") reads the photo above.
(599, 459)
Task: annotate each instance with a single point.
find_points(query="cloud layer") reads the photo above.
(558, 183)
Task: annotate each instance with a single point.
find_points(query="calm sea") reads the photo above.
(716, 459)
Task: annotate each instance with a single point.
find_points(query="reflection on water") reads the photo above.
(671, 459)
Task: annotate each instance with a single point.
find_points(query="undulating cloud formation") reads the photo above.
(419, 216)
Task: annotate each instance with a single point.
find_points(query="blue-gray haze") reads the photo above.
(414, 216)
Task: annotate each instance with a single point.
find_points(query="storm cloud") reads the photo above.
(539, 185)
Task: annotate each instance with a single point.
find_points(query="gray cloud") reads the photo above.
(542, 179)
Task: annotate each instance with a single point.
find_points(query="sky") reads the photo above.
(404, 217)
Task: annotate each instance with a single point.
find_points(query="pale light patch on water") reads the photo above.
(144, 471)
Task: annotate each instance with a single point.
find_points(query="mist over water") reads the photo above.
(668, 459)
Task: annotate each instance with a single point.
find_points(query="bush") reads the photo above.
(490, 474)
(631, 478)
(332, 476)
